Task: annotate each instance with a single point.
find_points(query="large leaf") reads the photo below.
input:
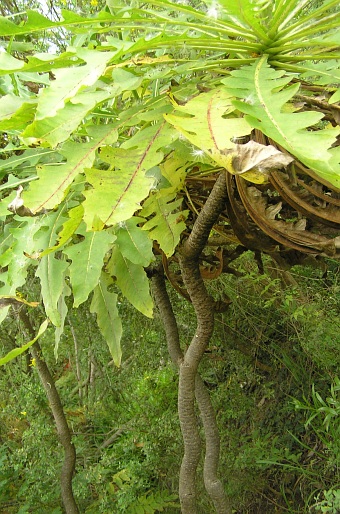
(87, 262)
(48, 191)
(104, 304)
(118, 190)
(264, 96)
(132, 280)
(208, 122)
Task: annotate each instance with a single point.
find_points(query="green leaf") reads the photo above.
(24, 244)
(118, 191)
(62, 309)
(264, 96)
(104, 304)
(18, 351)
(87, 262)
(51, 270)
(134, 243)
(322, 73)
(132, 281)
(9, 104)
(14, 182)
(208, 122)
(54, 179)
(17, 241)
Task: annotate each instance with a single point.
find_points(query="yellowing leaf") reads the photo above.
(118, 191)
(54, 179)
(207, 121)
(263, 92)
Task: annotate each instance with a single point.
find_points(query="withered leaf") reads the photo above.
(255, 161)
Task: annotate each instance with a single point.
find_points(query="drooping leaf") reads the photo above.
(48, 191)
(264, 95)
(87, 262)
(132, 280)
(24, 243)
(51, 270)
(16, 241)
(104, 304)
(118, 191)
(62, 309)
(18, 351)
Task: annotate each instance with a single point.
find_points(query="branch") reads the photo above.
(59, 418)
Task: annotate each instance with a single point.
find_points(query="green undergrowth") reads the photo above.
(272, 371)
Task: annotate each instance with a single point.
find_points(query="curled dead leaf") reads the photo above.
(255, 161)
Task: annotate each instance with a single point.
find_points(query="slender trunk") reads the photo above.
(205, 313)
(212, 483)
(60, 421)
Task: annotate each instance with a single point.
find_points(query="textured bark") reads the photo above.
(205, 312)
(191, 385)
(63, 430)
(213, 484)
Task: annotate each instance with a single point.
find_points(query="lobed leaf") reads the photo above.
(49, 190)
(133, 242)
(167, 222)
(118, 191)
(51, 270)
(262, 90)
(208, 122)
(68, 82)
